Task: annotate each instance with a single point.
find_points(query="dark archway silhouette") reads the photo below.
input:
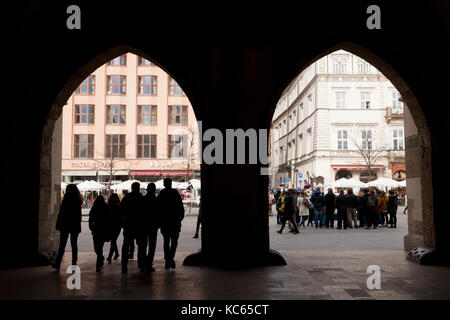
(230, 87)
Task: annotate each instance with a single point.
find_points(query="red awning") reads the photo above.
(354, 167)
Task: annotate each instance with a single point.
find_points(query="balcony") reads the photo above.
(393, 114)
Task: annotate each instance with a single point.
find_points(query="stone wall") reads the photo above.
(419, 189)
(50, 186)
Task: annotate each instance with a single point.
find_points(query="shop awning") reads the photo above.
(93, 172)
(356, 167)
(159, 172)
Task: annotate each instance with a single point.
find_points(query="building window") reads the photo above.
(115, 146)
(342, 142)
(146, 146)
(115, 113)
(340, 100)
(360, 66)
(147, 85)
(144, 62)
(397, 135)
(83, 146)
(397, 106)
(335, 66)
(119, 61)
(84, 113)
(178, 115)
(368, 68)
(343, 66)
(177, 146)
(366, 139)
(174, 88)
(117, 84)
(365, 100)
(147, 115)
(87, 86)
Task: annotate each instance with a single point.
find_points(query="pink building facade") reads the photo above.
(131, 119)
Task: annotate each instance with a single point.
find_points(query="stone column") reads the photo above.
(421, 230)
(50, 186)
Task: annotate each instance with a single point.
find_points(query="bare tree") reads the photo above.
(192, 143)
(110, 164)
(365, 148)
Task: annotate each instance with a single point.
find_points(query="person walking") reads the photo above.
(99, 224)
(68, 223)
(289, 213)
(199, 219)
(303, 205)
(172, 213)
(392, 206)
(318, 201)
(341, 206)
(277, 197)
(132, 210)
(116, 223)
(330, 199)
(148, 234)
(352, 206)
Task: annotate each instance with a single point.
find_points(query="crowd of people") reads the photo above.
(139, 216)
(368, 209)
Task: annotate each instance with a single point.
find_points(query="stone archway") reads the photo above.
(50, 156)
(421, 221)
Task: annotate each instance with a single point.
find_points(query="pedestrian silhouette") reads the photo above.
(69, 223)
(132, 207)
(148, 234)
(115, 217)
(99, 224)
(172, 213)
(199, 219)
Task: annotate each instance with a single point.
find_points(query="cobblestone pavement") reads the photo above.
(309, 238)
(321, 264)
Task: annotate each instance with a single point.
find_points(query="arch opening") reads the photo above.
(313, 115)
(120, 117)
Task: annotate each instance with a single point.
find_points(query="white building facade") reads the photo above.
(323, 117)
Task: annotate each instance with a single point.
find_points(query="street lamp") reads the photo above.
(296, 177)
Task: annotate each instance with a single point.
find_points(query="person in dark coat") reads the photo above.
(277, 196)
(99, 224)
(132, 211)
(318, 201)
(115, 217)
(172, 213)
(330, 198)
(69, 223)
(341, 206)
(370, 201)
(148, 234)
(290, 205)
(392, 205)
(352, 207)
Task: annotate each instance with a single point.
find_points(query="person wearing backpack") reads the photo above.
(318, 201)
(289, 212)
